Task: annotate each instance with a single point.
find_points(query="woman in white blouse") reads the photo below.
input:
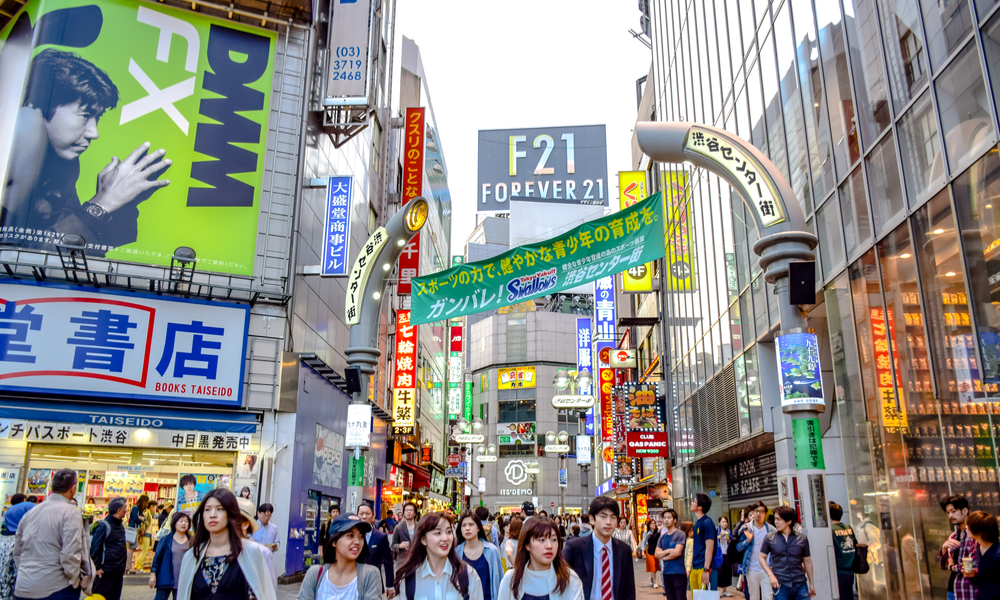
(540, 572)
(432, 570)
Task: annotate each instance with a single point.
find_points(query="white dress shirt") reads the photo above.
(595, 587)
(431, 587)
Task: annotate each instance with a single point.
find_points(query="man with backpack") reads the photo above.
(109, 552)
(49, 545)
(844, 548)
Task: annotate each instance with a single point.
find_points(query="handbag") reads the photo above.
(706, 595)
(131, 535)
(860, 563)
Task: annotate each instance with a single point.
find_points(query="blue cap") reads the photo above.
(13, 516)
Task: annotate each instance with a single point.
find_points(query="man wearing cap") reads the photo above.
(250, 527)
(379, 550)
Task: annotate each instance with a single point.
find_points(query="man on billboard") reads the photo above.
(65, 99)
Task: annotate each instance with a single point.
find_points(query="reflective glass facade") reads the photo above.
(882, 116)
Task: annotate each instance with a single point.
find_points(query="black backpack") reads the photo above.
(860, 564)
(463, 584)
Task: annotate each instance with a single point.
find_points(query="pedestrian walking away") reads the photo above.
(432, 568)
(540, 571)
(670, 550)
(790, 569)
(170, 551)
(347, 575)
(19, 505)
(959, 553)
(135, 535)
(603, 563)
(754, 577)
(109, 551)
(844, 548)
(703, 547)
(651, 541)
(983, 528)
(220, 565)
(379, 550)
(50, 544)
(476, 550)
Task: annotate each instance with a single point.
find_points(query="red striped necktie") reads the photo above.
(605, 574)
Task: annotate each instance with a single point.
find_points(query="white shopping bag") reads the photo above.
(706, 595)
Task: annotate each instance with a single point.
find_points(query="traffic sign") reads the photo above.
(454, 460)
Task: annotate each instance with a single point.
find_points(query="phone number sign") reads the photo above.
(61, 340)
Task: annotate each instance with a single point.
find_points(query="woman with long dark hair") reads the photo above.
(480, 554)
(220, 565)
(540, 571)
(169, 553)
(135, 524)
(432, 569)
(345, 576)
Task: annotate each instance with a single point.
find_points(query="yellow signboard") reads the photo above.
(404, 411)
(680, 268)
(515, 377)
(632, 188)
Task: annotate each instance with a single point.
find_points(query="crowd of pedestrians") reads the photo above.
(225, 551)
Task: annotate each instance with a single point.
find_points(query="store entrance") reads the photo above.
(178, 477)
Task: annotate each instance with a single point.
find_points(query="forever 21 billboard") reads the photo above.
(139, 127)
(555, 165)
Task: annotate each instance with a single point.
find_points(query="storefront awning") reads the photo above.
(128, 416)
(421, 476)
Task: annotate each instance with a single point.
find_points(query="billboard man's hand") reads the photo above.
(122, 182)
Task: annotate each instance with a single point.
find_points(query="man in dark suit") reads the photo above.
(379, 552)
(603, 563)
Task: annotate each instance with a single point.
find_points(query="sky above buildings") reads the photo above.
(524, 63)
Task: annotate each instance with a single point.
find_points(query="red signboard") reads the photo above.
(647, 444)
(413, 182)
(456, 339)
(454, 460)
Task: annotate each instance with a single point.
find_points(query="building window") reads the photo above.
(517, 337)
(516, 411)
(518, 449)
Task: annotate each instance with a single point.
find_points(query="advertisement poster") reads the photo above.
(605, 393)
(595, 249)
(38, 481)
(680, 268)
(515, 377)
(169, 148)
(328, 469)
(192, 488)
(632, 188)
(645, 435)
(798, 369)
(8, 484)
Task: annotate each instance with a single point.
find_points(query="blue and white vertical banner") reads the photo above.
(585, 360)
(604, 309)
(583, 449)
(336, 227)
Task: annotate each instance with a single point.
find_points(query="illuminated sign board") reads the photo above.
(515, 377)
(405, 376)
(554, 165)
(632, 188)
(799, 378)
(413, 185)
(336, 227)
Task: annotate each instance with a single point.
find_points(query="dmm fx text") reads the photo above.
(556, 189)
(236, 59)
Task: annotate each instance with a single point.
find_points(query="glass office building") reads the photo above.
(883, 118)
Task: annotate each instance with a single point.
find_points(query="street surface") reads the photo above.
(136, 588)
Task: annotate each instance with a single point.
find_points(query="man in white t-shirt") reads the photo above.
(267, 535)
(750, 542)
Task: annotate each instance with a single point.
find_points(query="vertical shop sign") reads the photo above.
(680, 267)
(359, 426)
(585, 360)
(606, 382)
(404, 381)
(893, 412)
(625, 466)
(604, 308)
(337, 227)
(413, 185)
(808, 441)
(644, 422)
(468, 400)
(583, 450)
(632, 188)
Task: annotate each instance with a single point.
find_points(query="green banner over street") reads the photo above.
(597, 248)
